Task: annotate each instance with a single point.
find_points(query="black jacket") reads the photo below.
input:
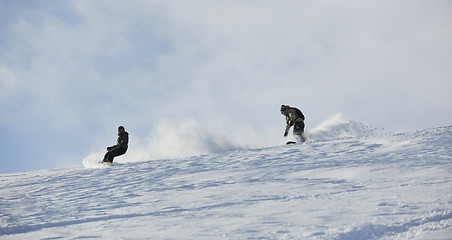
(123, 141)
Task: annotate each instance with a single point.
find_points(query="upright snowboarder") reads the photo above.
(295, 118)
(120, 148)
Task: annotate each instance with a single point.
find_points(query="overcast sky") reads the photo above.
(194, 77)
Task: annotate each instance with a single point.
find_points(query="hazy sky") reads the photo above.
(192, 77)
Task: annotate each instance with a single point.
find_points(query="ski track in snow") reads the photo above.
(389, 186)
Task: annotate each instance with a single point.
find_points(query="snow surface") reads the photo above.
(346, 182)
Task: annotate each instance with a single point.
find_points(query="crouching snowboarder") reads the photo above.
(120, 148)
(295, 118)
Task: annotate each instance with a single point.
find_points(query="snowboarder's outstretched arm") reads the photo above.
(290, 120)
(289, 124)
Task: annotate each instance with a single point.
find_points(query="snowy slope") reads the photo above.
(344, 183)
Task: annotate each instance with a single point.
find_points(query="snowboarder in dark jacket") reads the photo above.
(295, 118)
(120, 148)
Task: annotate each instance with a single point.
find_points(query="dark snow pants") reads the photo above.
(114, 153)
(298, 131)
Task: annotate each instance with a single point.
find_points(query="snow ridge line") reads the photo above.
(373, 231)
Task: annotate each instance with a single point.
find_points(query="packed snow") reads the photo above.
(345, 182)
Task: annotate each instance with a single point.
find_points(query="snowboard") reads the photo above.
(290, 142)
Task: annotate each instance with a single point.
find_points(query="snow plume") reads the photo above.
(339, 126)
(92, 161)
(187, 138)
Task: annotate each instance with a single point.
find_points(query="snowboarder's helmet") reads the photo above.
(283, 107)
(121, 128)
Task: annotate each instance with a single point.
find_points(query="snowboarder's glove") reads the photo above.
(110, 148)
(285, 134)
